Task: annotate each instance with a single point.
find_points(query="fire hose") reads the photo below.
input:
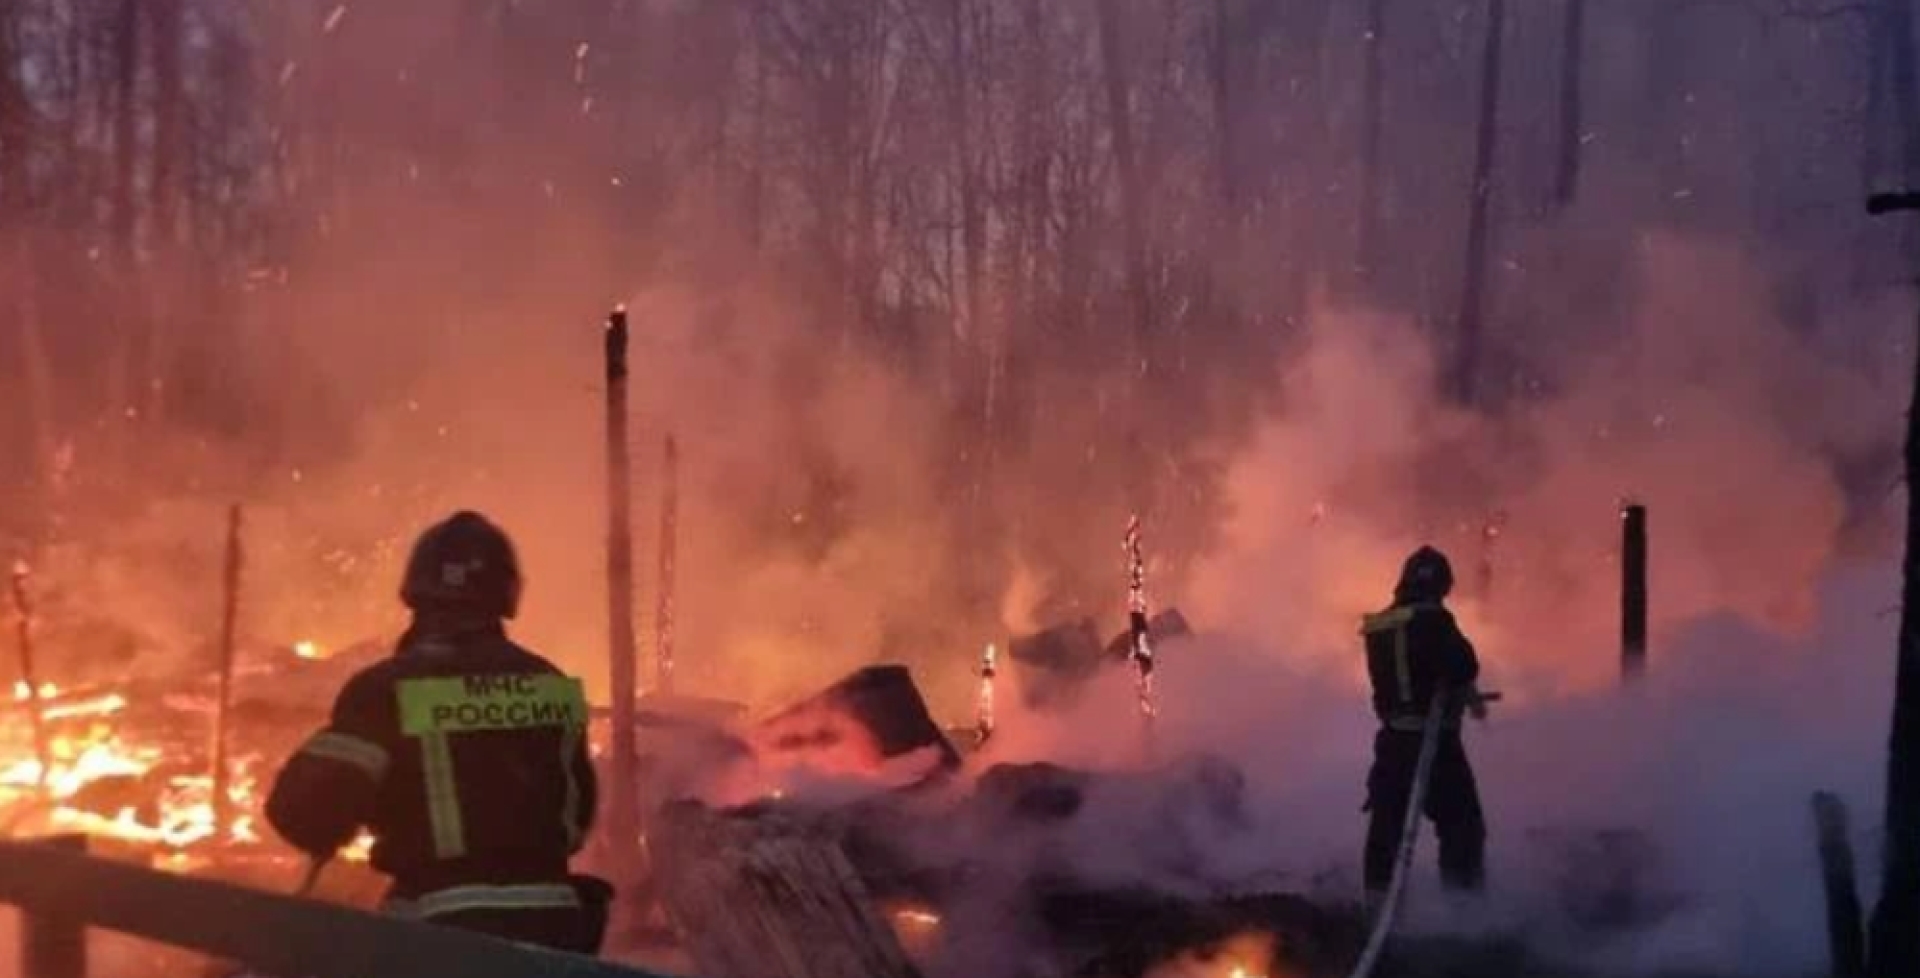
(1410, 830)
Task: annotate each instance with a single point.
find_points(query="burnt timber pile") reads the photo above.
(935, 868)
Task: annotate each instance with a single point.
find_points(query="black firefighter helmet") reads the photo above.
(1426, 576)
(463, 564)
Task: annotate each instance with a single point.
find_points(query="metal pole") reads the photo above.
(1633, 591)
(222, 708)
(23, 605)
(54, 946)
(622, 820)
(669, 553)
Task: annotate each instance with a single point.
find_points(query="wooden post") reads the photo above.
(54, 946)
(229, 620)
(23, 606)
(669, 551)
(1633, 591)
(622, 821)
(1846, 935)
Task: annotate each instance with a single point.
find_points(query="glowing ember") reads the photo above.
(96, 706)
(983, 705)
(360, 849)
(23, 692)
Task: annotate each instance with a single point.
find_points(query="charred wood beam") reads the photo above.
(1633, 591)
(757, 895)
(623, 822)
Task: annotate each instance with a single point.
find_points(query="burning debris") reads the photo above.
(1056, 662)
(756, 894)
(871, 721)
(983, 701)
(1141, 649)
(131, 764)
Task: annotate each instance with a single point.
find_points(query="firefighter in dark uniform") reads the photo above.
(1415, 651)
(465, 757)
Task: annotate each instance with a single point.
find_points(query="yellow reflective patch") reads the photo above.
(506, 701)
(1385, 620)
(443, 796)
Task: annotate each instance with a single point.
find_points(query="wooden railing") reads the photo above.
(60, 892)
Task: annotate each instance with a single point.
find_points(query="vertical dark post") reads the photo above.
(1633, 591)
(621, 817)
(1845, 935)
(54, 947)
(23, 607)
(669, 553)
(229, 620)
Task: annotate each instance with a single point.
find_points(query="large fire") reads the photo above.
(130, 765)
(99, 783)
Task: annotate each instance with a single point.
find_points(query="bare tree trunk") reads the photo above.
(1871, 147)
(166, 30)
(1894, 936)
(16, 122)
(1225, 151)
(1372, 117)
(1897, 28)
(966, 169)
(757, 166)
(1566, 185)
(1467, 354)
(125, 217)
(16, 150)
(1126, 160)
(166, 27)
(126, 67)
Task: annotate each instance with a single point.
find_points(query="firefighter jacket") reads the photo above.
(465, 756)
(1413, 651)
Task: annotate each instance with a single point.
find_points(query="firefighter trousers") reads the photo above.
(1452, 803)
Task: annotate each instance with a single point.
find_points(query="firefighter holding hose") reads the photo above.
(464, 755)
(1415, 652)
